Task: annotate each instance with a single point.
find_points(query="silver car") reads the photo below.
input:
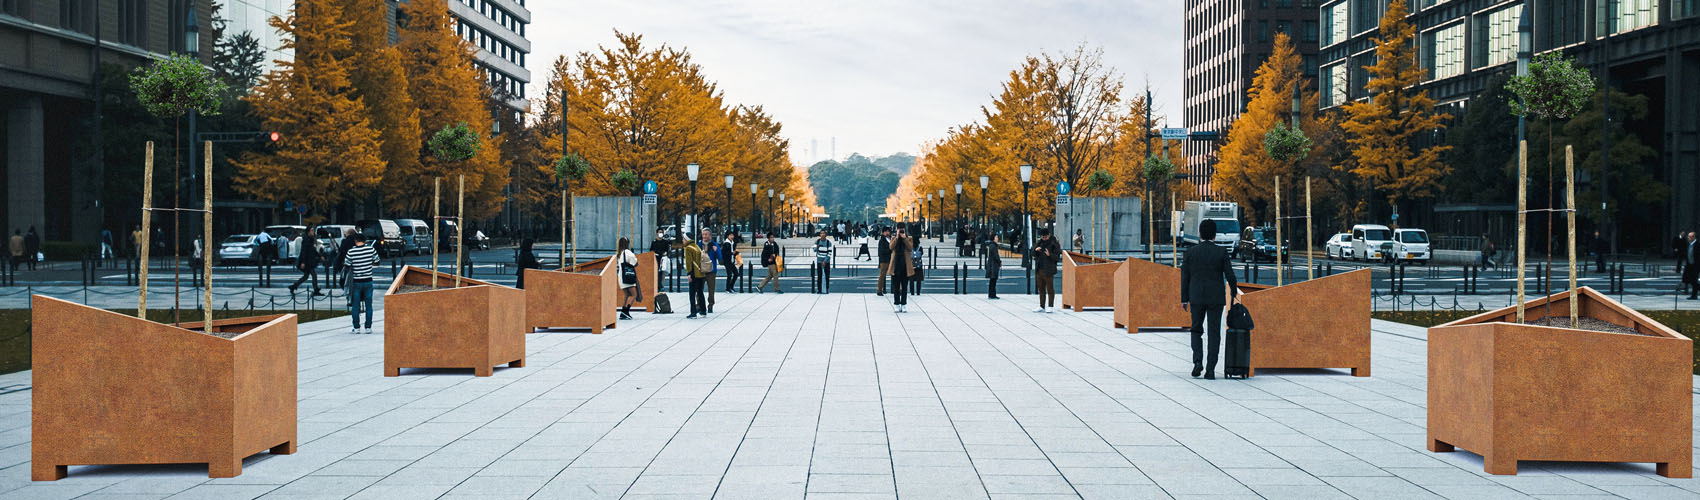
(237, 248)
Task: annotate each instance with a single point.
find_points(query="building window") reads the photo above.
(1498, 32)
(132, 21)
(1263, 31)
(1443, 52)
(1366, 15)
(1336, 17)
(1308, 33)
(18, 8)
(77, 15)
(1625, 15)
(1683, 9)
(1283, 4)
(1284, 27)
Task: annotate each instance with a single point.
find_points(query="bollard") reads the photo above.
(955, 280)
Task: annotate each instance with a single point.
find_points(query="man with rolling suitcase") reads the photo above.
(1205, 273)
(1238, 362)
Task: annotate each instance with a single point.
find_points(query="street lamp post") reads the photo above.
(752, 223)
(1026, 220)
(691, 171)
(929, 209)
(726, 215)
(784, 213)
(1525, 47)
(942, 229)
(985, 182)
(765, 220)
(959, 209)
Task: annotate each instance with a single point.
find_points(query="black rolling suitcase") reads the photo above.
(1238, 362)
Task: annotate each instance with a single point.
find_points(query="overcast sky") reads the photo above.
(882, 76)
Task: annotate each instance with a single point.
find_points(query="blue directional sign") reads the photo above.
(650, 187)
(1062, 188)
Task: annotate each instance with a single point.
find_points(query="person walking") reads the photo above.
(884, 260)
(994, 265)
(1600, 249)
(267, 250)
(823, 262)
(774, 263)
(660, 247)
(1487, 253)
(1046, 253)
(629, 289)
(729, 261)
(862, 247)
(15, 246)
(361, 258)
(307, 263)
(526, 259)
(918, 261)
(1079, 241)
(711, 251)
(105, 245)
(697, 269)
(339, 276)
(899, 268)
(1690, 272)
(32, 247)
(1205, 272)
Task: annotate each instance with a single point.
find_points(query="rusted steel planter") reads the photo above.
(1148, 295)
(117, 389)
(1515, 392)
(1088, 282)
(581, 297)
(478, 325)
(1319, 323)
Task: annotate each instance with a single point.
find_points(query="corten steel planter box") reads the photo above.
(116, 389)
(1088, 282)
(478, 325)
(1319, 323)
(1147, 294)
(581, 297)
(1515, 392)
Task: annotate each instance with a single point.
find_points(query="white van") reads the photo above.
(415, 236)
(1410, 245)
(1367, 240)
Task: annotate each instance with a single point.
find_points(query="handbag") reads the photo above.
(1239, 318)
(628, 272)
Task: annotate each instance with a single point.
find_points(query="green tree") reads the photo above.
(1484, 148)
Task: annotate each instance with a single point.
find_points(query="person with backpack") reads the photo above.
(884, 260)
(729, 260)
(711, 252)
(628, 277)
(917, 258)
(1046, 254)
(774, 262)
(900, 268)
(696, 266)
(307, 263)
(360, 260)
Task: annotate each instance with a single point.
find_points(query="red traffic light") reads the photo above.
(274, 136)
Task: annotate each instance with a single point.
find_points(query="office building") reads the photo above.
(1653, 50)
(496, 31)
(49, 52)
(254, 17)
(1226, 41)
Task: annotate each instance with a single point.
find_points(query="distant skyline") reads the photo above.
(880, 76)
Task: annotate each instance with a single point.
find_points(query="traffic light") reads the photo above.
(267, 140)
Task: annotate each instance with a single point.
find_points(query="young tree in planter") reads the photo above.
(173, 87)
(1554, 89)
(1157, 172)
(454, 145)
(571, 167)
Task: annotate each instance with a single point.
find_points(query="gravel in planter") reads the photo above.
(448, 283)
(1590, 324)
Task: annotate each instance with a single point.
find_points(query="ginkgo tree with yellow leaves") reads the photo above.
(643, 112)
(1383, 129)
(1245, 172)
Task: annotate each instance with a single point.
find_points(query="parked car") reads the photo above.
(1367, 240)
(415, 236)
(293, 234)
(1338, 245)
(237, 248)
(384, 233)
(1258, 243)
(330, 237)
(1410, 245)
(446, 238)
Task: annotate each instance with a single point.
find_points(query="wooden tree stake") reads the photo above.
(436, 224)
(145, 241)
(206, 239)
(1174, 246)
(564, 231)
(1522, 219)
(1570, 203)
(1310, 253)
(460, 230)
(1278, 278)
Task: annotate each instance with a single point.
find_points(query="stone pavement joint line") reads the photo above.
(835, 396)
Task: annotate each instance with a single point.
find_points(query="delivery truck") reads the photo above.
(1226, 214)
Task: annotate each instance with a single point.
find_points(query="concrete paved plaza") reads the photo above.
(834, 396)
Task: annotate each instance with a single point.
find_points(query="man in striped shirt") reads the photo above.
(359, 262)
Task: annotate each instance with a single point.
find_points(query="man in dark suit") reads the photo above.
(1206, 279)
(885, 260)
(1690, 273)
